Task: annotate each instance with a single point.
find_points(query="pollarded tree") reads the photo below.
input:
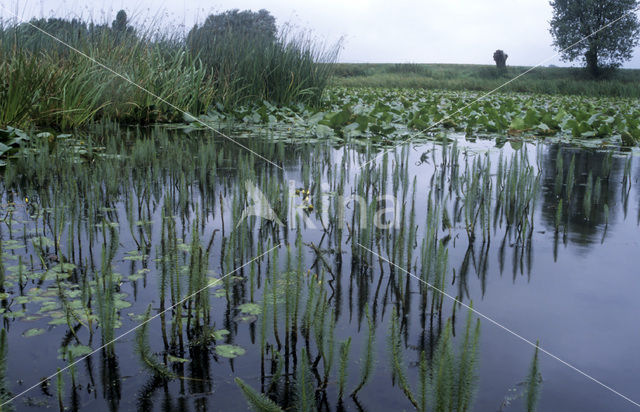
(500, 57)
(575, 21)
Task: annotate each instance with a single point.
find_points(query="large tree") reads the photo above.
(576, 21)
(231, 28)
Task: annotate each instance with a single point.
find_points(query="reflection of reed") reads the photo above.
(320, 297)
(581, 190)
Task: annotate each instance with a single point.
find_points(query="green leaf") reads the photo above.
(219, 334)
(229, 351)
(250, 308)
(177, 359)
(33, 332)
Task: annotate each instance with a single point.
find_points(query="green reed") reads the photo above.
(50, 85)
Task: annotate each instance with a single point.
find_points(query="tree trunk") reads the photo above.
(591, 56)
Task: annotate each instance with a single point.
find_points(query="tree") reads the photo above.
(500, 58)
(574, 23)
(245, 35)
(120, 23)
(247, 25)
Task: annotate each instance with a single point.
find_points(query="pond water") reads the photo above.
(541, 238)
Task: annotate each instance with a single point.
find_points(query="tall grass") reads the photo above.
(45, 83)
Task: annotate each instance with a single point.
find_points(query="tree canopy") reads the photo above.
(251, 26)
(575, 25)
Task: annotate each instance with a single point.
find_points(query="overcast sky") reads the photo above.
(427, 31)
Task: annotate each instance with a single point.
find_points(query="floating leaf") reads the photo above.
(250, 308)
(177, 359)
(33, 332)
(243, 317)
(229, 351)
(76, 351)
(219, 334)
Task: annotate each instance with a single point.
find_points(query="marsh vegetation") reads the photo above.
(307, 260)
(340, 307)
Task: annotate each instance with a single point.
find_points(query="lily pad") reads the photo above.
(243, 317)
(33, 332)
(177, 359)
(75, 351)
(229, 351)
(250, 308)
(219, 334)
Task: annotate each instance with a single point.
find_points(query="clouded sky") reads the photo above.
(427, 31)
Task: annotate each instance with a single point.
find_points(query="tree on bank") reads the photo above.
(575, 21)
(231, 28)
(500, 57)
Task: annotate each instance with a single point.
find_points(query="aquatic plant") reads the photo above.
(533, 383)
(143, 349)
(257, 401)
(4, 350)
(305, 393)
(397, 363)
(344, 359)
(368, 361)
(105, 297)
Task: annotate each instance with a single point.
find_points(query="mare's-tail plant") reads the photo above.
(467, 363)
(533, 382)
(342, 372)
(258, 401)
(105, 295)
(144, 350)
(398, 368)
(368, 361)
(305, 394)
(60, 389)
(4, 349)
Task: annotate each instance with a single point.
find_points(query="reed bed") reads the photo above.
(43, 83)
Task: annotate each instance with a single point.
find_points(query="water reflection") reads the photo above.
(597, 177)
(161, 218)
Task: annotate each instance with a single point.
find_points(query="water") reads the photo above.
(574, 289)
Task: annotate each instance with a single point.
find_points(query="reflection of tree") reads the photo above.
(585, 231)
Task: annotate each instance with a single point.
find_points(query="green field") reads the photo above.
(476, 77)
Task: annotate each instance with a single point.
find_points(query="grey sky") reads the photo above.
(432, 31)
